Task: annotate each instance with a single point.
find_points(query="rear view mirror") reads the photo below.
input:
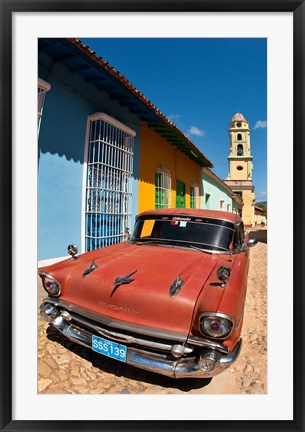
(251, 243)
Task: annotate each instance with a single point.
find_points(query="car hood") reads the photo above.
(144, 299)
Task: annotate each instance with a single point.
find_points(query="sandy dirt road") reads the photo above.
(65, 368)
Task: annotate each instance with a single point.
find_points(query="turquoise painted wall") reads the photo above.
(216, 192)
(61, 155)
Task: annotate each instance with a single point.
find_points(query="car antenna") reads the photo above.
(231, 250)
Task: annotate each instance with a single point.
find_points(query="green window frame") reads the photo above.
(162, 189)
(180, 194)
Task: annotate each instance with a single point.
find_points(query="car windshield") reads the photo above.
(186, 231)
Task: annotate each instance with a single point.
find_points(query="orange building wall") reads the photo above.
(156, 152)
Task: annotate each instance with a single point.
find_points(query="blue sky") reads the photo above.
(200, 84)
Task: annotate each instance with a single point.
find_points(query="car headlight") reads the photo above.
(216, 325)
(50, 284)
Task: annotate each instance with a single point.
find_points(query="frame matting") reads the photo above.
(8, 8)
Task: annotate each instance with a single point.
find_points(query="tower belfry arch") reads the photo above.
(241, 166)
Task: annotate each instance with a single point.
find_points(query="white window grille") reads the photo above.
(109, 174)
(162, 188)
(43, 88)
(228, 207)
(222, 205)
(194, 196)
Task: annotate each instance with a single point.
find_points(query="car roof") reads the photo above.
(214, 214)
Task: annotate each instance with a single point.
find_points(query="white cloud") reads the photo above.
(261, 196)
(174, 117)
(260, 124)
(194, 130)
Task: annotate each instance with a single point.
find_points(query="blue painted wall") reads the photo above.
(61, 155)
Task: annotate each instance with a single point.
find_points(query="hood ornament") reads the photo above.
(176, 286)
(123, 280)
(90, 269)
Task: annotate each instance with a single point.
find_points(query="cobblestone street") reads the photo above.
(65, 367)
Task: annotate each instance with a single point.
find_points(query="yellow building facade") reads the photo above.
(260, 216)
(167, 177)
(241, 166)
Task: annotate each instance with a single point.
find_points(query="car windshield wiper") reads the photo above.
(173, 243)
(201, 250)
(154, 241)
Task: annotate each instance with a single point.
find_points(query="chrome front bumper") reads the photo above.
(185, 367)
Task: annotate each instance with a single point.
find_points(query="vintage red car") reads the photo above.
(169, 300)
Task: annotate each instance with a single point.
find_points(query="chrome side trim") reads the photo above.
(208, 344)
(184, 368)
(116, 323)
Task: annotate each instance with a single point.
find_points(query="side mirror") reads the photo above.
(251, 243)
(128, 233)
(223, 274)
(72, 250)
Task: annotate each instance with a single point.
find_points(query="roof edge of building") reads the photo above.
(123, 80)
(215, 177)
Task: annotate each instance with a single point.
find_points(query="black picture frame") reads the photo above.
(8, 7)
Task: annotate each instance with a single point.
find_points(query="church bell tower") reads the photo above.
(241, 166)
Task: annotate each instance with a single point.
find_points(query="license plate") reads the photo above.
(109, 349)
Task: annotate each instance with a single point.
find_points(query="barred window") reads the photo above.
(194, 196)
(43, 88)
(109, 175)
(162, 188)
